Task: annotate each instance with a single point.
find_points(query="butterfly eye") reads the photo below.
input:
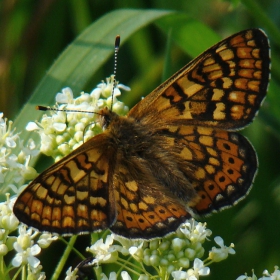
(106, 117)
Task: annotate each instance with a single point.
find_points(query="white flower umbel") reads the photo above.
(26, 249)
(27, 252)
(266, 275)
(104, 252)
(8, 220)
(14, 171)
(177, 255)
(193, 273)
(71, 274)
(62, 132)
(14, 168)
(219, 254)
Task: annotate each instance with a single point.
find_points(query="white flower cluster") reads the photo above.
(266, 275)
(24, 245)
(177, 255)
(14, 168)
(62, 132)
(14, 171)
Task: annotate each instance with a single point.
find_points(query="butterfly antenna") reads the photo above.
(117, 46)
(47, 108)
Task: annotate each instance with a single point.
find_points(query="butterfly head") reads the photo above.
(106, 117)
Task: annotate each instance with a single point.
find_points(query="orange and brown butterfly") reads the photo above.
(175, 155)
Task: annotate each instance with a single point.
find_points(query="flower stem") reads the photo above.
(59, 268)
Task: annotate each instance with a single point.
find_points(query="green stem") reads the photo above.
(61, 264)
(2, 271)
(17, 273)
(23, 274)
(123, 265)
(79, 254)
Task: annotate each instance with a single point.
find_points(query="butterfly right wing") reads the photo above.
(220, 165)
(73, 195)
(223, 87)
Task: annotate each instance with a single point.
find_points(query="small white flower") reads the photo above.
(193, 273)
(199, 268)
(71, 274)
(36, 273)
(104, 252)
(194, 231)
(112, 276)
(31, 126)
(7, 136)
(127, 246)
(274, 276)
(66, 96)
(25, 249)
(26, 256)
(8, 220)
(46, 239)
(219, 254)
(64, 131)
(125, 275)
(106, 88)
(246, 277)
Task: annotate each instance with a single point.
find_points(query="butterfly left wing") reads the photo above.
(73, 195)
(223, 87)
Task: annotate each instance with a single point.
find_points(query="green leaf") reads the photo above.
(82, 58)
(193, 36)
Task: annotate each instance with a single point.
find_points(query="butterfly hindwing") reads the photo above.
(145, 207)
(73, 195)
(220, 165)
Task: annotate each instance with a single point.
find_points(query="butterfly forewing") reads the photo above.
(173, 156)
(223, 87)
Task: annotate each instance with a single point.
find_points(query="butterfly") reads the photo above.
(175, 155)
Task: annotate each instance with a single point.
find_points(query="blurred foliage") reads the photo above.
(34, 33)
